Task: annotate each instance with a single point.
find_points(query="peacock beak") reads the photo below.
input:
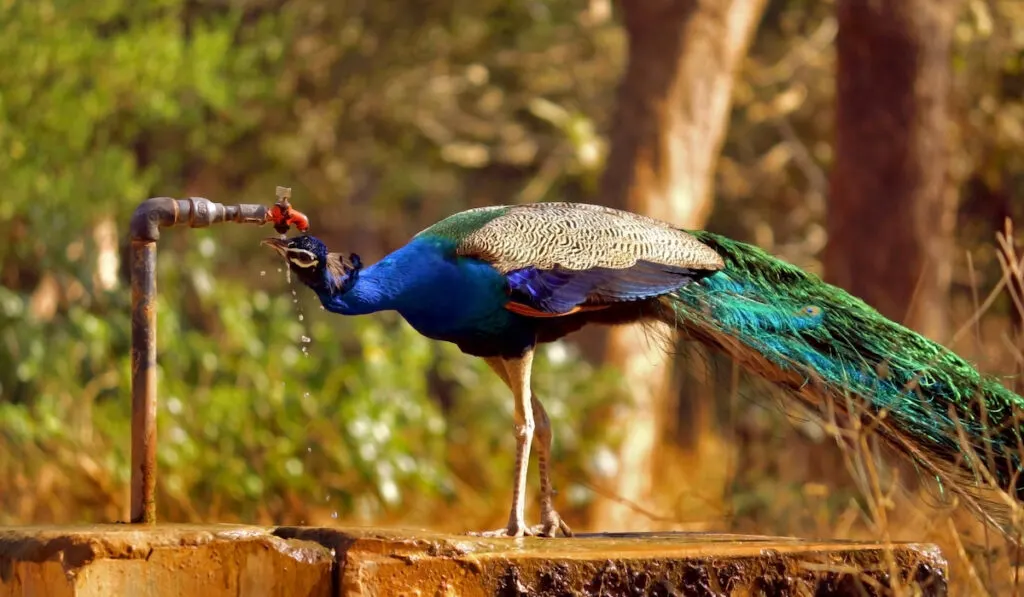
(279, 245)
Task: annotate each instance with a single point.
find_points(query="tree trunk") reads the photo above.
(673, 106)
(892, 205)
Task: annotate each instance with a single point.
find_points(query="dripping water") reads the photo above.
(304, 342)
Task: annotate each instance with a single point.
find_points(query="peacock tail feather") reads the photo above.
(823, 344)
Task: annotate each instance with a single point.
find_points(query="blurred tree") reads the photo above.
(892, 207)
(673, 107)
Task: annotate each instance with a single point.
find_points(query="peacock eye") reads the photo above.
(302, 258)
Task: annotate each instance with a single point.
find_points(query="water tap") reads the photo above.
(284, 216)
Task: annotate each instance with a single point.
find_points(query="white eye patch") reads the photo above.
(302, 258)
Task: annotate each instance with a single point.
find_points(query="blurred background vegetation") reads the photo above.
(384, 117)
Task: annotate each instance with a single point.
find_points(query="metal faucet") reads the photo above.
(149, 217)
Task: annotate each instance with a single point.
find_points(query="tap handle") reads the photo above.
(284, 216)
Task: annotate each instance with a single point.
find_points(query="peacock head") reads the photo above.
(314, 265)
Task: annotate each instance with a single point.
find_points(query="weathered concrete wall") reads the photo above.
(168, 560)
(215, 560)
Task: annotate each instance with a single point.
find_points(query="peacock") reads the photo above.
(498, 281)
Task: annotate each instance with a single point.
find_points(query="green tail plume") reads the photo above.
(821, 343)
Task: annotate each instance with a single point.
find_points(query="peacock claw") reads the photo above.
(504, 532)
(552, 524)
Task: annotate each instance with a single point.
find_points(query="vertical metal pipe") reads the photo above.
(143, 356)
(152, 215)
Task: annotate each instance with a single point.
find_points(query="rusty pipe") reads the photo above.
(144, 230)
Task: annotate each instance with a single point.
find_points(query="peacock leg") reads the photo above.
(551, 522)
(497, 365)
(517, 377)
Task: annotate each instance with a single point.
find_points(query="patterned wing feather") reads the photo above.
(560, 290)
(579, 236)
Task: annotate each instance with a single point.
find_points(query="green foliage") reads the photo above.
(88, 87)
(270, 409)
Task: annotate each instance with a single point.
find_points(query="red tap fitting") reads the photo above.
(284, 216)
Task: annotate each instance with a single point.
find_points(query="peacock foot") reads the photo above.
(549, 528)
(551, 525)
(512, 530)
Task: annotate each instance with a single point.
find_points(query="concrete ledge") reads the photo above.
(213, 560)
(167, 560)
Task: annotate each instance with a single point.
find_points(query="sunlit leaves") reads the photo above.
(86, 84)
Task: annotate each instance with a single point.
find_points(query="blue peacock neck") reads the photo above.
(338, 285)
(349, 289)
(412, 280)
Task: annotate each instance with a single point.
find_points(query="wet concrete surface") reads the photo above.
(213, 560)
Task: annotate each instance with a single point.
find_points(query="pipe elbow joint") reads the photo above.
(151, 215)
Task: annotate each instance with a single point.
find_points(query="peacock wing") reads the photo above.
(558, 257)
(542, 292)
(580, 236)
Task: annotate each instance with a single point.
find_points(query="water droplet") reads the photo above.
(301, 317)
(306, 339)
(263, 273)
(309, 449)
(334, 515)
